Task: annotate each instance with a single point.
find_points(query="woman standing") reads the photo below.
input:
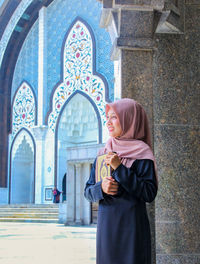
(56, 195)
(123, 231)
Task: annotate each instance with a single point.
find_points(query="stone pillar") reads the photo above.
(61, 162)
(40, 135)
(70, 193)
(78, 194)
(86, 208)
(131, 31)
(42, 66)
(162, 72)
(176, 133)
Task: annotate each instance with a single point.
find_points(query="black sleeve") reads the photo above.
(139, 180)
(93, 191)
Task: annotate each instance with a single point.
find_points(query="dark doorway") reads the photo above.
(64, 187)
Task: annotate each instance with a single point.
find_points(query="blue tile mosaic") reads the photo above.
(59, 17)
(62, 14)
(26, 68)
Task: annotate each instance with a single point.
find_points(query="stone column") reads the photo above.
(131, 31)
(42, 66)
(176, 133)
(70, 193)
(40, 135)
(162, 72)
(86, 204)
(78, 194)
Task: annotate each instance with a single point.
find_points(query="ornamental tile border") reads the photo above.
(78, 75)
(23, 112)
(11, 26)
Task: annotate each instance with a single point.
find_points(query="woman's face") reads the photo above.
(113, 124)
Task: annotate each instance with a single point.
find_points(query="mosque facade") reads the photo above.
(62, 79)
(60, 63)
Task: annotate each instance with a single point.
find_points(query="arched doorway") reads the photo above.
(22, 169)
(64, 188)
(78, 126)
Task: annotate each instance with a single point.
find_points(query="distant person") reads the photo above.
(56, 195)
(123, 230)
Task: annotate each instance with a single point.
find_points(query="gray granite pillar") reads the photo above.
(137, 83)
(161, 71)
(176, 134)
(132, 31)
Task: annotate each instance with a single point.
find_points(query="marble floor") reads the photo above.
(28, 243)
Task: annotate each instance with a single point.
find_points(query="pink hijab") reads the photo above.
(134, 142)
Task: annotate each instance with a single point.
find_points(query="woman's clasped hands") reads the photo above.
(109, 185)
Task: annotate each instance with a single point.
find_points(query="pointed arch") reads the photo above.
(94, 107)
(79, 71)
(98, 118)
(24, 109)
(22, 134)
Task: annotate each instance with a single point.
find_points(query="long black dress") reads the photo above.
(123, 231)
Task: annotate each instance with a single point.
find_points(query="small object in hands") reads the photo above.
(102, 169)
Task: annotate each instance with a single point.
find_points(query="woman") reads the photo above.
(123, 231)
(56, 195)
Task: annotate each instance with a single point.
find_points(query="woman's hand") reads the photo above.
(109, 186)
(113, 160)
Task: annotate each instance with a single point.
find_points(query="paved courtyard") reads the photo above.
(28, 243)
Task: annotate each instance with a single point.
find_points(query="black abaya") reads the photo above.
(123, 232)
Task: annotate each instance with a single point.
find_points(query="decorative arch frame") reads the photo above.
(94, 72)
(24, 82)
(34, 156)
(10, 54)
(58, 121)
